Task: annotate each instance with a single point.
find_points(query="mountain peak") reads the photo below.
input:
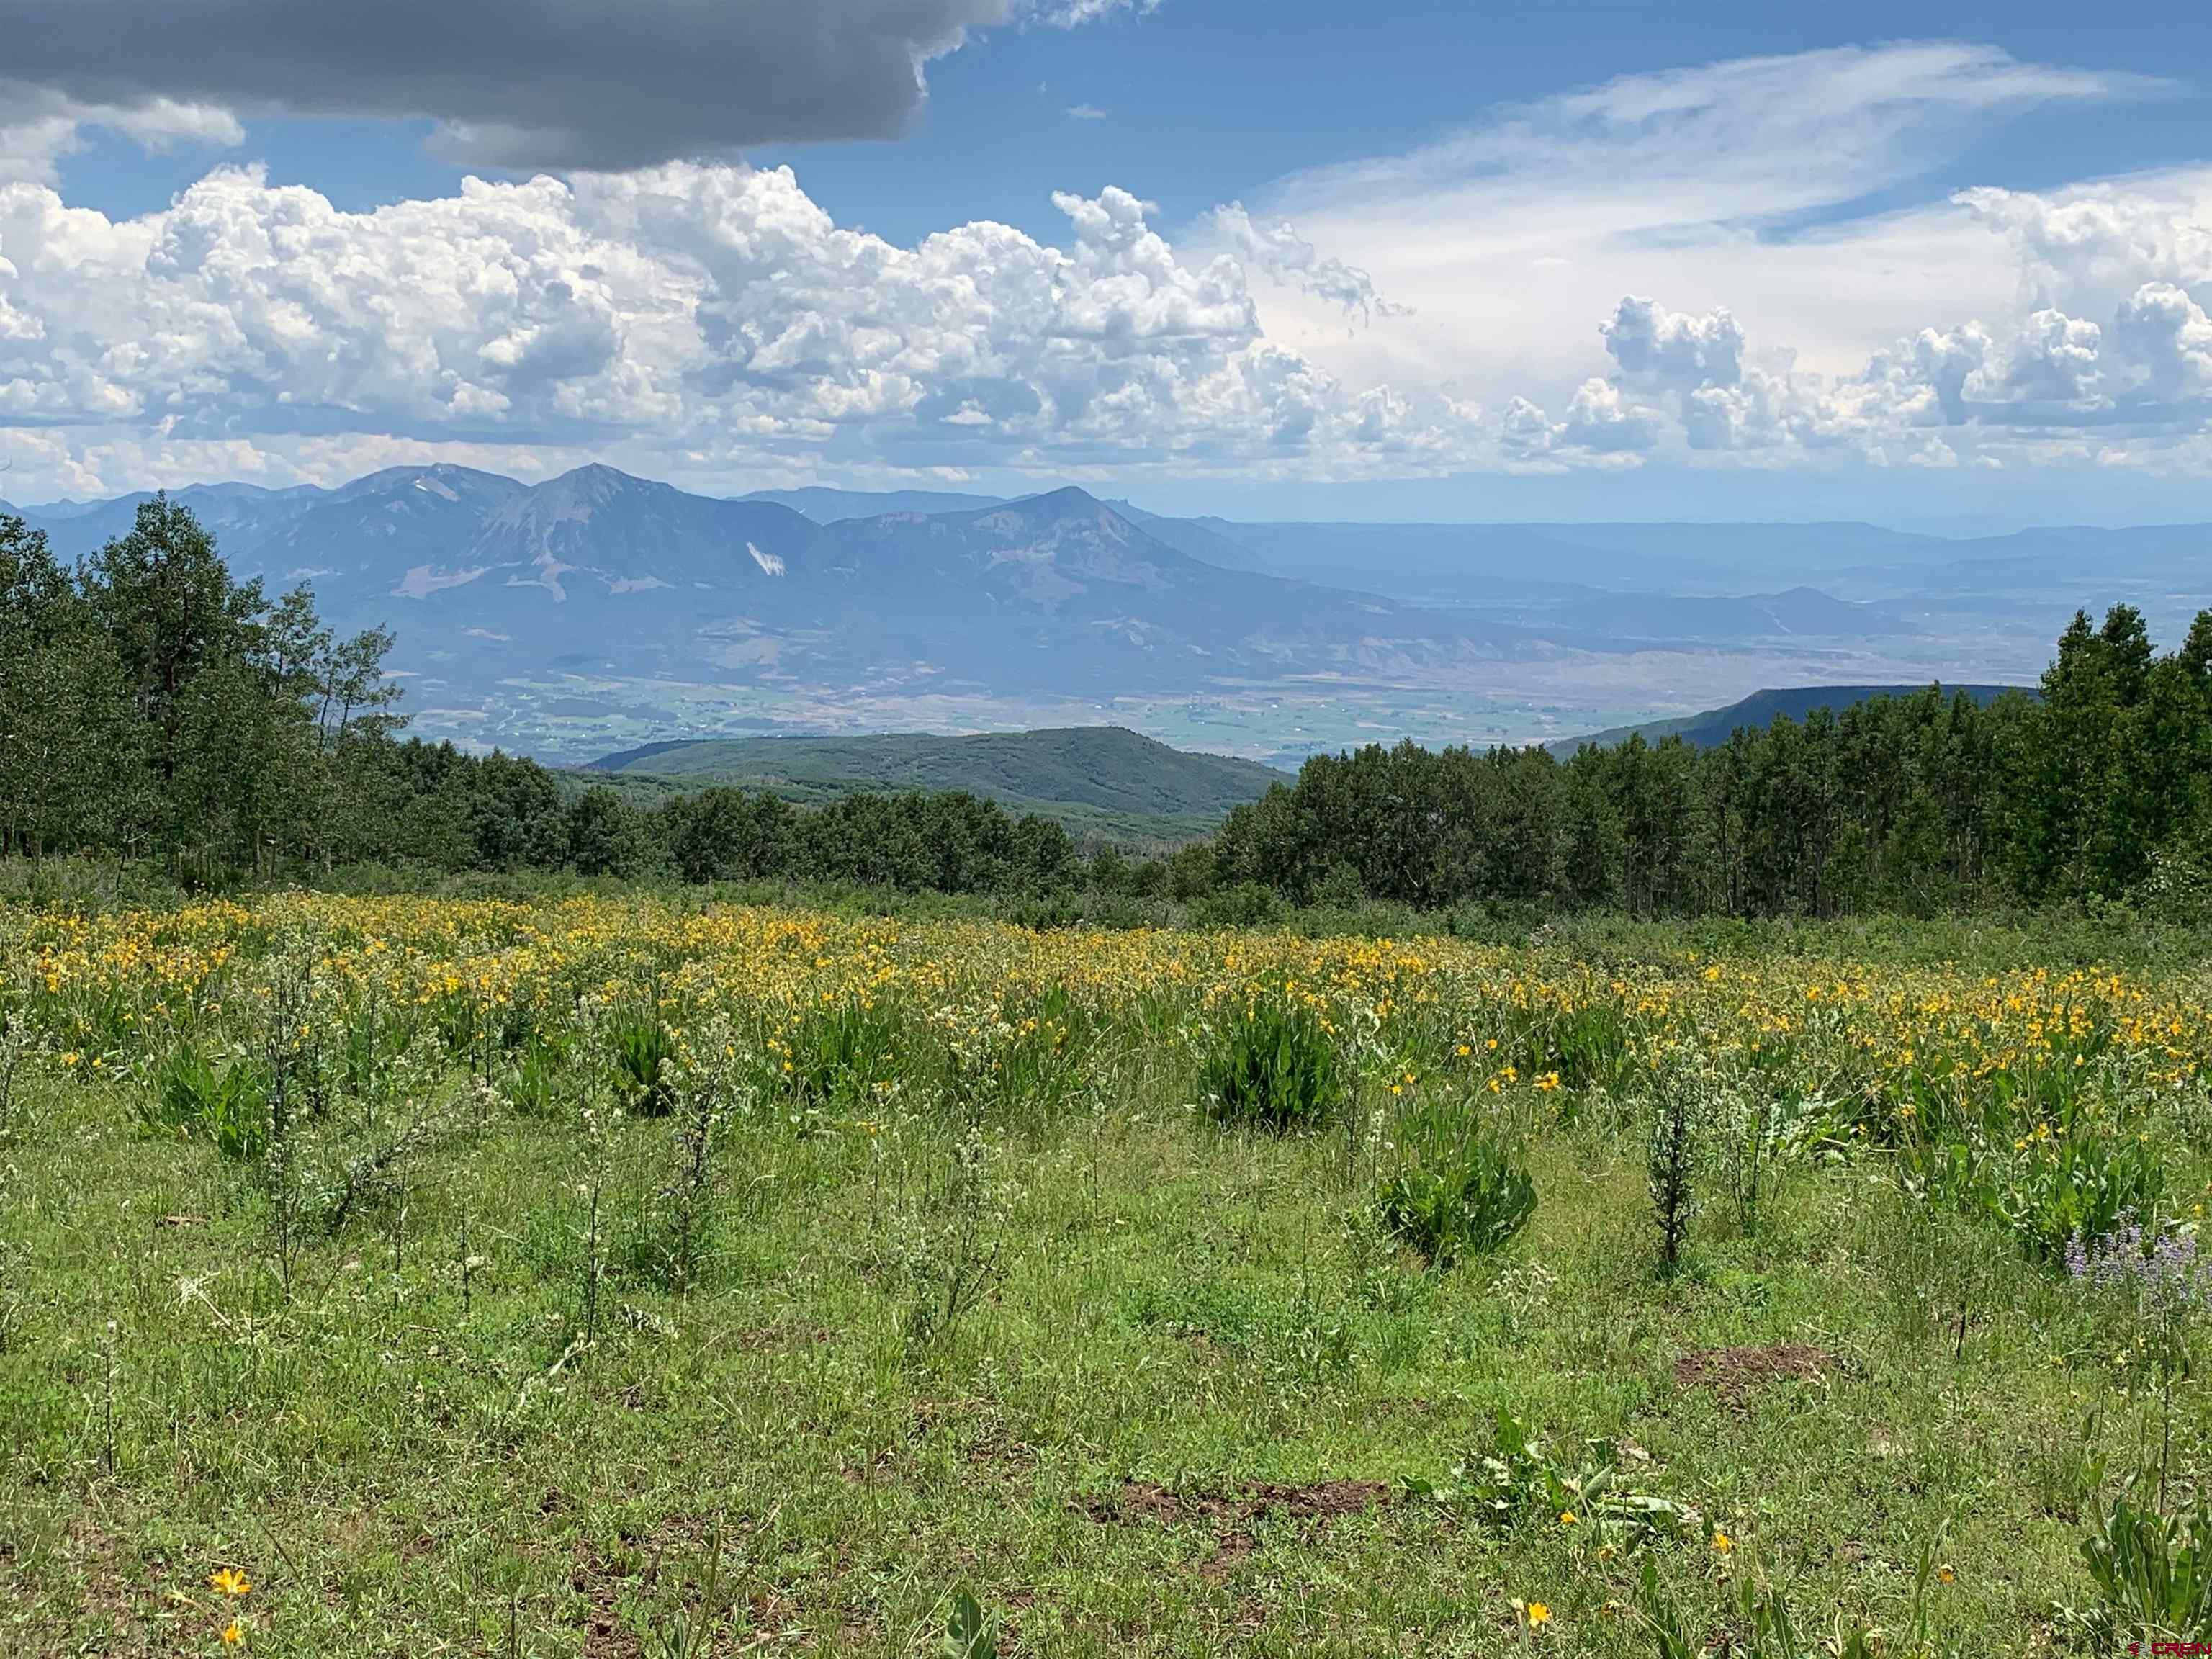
(1068, 505)
(1066, 497)
(441, 478)
(1030, 514)
(581, 492)
(600, 476)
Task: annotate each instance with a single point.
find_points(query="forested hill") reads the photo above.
(1714, 727)
(1104, 777)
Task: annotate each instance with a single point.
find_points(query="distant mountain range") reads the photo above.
(1714, 727)
(1101, 780)
(596, 610)
(499, 590)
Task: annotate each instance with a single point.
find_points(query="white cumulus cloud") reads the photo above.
(1605, 280)
(712, 315)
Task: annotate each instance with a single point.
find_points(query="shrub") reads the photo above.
(225, 1102)
(1341, 889)
(1248, 904)
(534, 1085)
(1104, 911)
(2082, 1179)
(1275, 1067)
(1459, 1190)
(833, 1053)
(642, 1050)
(2085, 1184)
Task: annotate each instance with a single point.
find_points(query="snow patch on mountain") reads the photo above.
(421, 581)
(549, 571)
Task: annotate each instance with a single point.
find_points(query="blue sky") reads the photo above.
(1206, 101)
(1941, 266)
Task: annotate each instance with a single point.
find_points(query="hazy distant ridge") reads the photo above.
(1714, 727)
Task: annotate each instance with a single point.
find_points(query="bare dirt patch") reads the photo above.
(1231, 1515)
(601, 1586)
(778, 1339)
(1736, 1374)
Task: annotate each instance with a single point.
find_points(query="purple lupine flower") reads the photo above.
(2160, 1261)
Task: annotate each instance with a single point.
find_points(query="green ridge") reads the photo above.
(1102, 780)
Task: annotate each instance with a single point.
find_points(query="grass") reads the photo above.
(1144, 1382)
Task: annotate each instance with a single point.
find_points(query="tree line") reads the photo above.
(1918, 804)
(152, 707)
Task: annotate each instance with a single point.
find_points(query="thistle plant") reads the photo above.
(707, 1093)
(15, 1042)
(372, 1168)
(947, 1246)
(1672, 1168)
(280, 1163)
(1750, 1140)
(107, 1400)
(595, 1122)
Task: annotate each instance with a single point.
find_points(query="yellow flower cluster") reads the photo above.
(1912, 1037)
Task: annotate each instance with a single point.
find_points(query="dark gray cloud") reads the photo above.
(523, 83)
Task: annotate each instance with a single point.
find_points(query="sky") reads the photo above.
(1943, 267)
